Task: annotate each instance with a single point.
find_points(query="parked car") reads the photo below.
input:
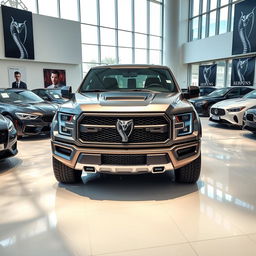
(232, 111)
(250, 119)
(127, 119)
(204, 103)
(8, 138)
(205, 90)
(52, 95)
(29, 113)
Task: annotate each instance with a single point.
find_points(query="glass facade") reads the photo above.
(210, 17)
(113, 31)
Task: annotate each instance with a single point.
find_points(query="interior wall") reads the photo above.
(211, 48)
(57, 44)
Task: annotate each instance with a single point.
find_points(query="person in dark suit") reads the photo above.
(18, 83)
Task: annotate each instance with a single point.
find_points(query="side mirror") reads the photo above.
(66, 92)
(192, 92)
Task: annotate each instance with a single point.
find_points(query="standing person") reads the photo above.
(55, 79)
(18, 83)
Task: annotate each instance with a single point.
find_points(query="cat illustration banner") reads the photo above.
(207, 75)
(18, 33)
(243, 72)
(244, 30)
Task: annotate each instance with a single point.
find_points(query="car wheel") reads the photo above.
(189, 173)
(64, 173)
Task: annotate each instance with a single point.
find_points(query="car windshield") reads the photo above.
(19, 97)
(219, 92)
(55, 94)
(250, 95)
(120, 79)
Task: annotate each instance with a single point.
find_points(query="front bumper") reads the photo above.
(231, 118)
(156, 160)
(32, 127)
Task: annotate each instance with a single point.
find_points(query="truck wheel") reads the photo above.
(64, 173)
(189, 173)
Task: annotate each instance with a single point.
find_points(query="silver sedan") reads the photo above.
(232, 111)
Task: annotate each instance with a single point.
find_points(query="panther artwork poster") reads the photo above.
(243, 72)
(244, 30)
(18, 33)
(207, 75)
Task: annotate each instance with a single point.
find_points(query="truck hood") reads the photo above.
(128, 101)
(234, 103)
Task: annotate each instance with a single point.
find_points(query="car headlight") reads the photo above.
(183, 124)
(66, 122)
(237, 109)
(26, 116)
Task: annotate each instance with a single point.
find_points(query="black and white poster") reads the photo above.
(207, 75)
(243, 72)
(244, 30)
(18, 33)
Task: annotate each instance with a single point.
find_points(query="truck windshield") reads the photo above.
(119, 79)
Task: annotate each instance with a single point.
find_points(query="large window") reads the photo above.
(210, 17)
(113, 31)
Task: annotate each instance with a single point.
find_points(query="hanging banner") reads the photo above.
(18, 33)
(207, 75)
(243, 72)
(244, 30)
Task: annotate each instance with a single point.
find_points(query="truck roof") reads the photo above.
(130, 66)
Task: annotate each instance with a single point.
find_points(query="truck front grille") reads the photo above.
(146, 129)
(123, 159)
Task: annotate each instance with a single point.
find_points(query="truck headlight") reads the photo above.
(237, 109)
(183, 124)
(26, 116)
(65, 121)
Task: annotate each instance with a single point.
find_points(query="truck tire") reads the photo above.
(65, 174)
(190, 172)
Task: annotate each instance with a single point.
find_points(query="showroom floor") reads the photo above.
(132, 215)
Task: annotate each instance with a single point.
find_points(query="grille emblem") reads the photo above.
(124, 128)
(216, 111)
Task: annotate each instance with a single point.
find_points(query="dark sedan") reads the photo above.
(52, 95)
(8, 138)
(203, 104)
(29, 113)
(250, 120)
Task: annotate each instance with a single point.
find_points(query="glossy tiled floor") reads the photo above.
(132, 215)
